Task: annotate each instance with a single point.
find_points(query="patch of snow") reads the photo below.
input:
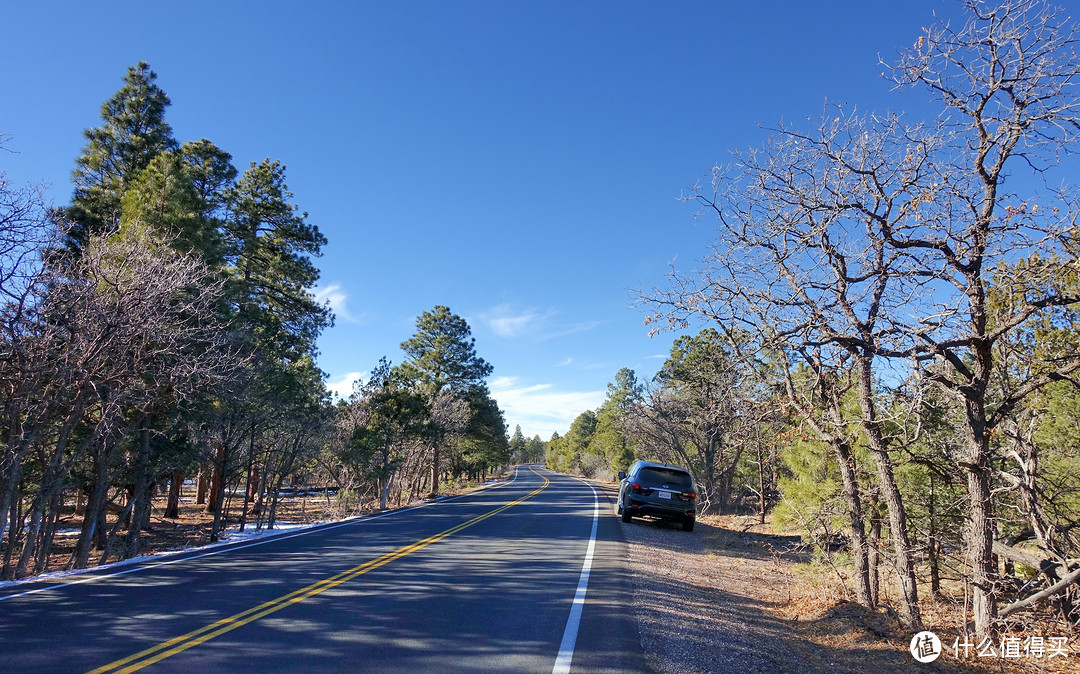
(228, 537)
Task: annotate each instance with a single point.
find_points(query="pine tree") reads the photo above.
(442, 354)
(441, 357)
(212, 174)
(484, 445)
(269, 246)
(517, 445)
(163, 199)
(132, 133)
(611, 440)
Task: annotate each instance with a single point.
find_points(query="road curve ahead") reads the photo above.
(527, 576)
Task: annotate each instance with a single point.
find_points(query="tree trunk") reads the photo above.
(42, 511)
(49, 531)
(761, 484)
(80, 500)
(218, 506)
(259, 509)
(981, 545)
(124, 515)
(102, 522)
(386, 482)
(250, 476)
(271, 517)
(29, 541)
(384, 492)
(217, 480)
(905, 561)
(9, 506)
(172, 507)
(202, 485)
(855, 521)
(875, 555)
(256, 483)
(92, 534)
(435, 469)
(217, 491)
(130, 489)
(12, 529)
(932, 552)
(141, 510)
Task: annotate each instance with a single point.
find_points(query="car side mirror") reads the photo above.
(622, 474)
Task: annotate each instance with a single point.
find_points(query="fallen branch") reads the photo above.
(1051, 568)
(1048, 592)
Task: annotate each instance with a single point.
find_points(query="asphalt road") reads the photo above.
(484, 582)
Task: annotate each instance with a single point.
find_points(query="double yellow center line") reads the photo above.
(167, 649)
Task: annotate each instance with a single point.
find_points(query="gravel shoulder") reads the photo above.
(725, 598)
(699, 611)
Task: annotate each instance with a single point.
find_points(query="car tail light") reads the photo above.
(690, 494)
(635, 486)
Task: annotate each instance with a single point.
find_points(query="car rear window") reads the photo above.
(655, 477)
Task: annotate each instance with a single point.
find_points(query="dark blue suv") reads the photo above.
(660, 490)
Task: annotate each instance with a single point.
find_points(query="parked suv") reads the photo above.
(660, 490)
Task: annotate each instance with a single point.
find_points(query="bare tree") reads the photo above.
(125, 327)
(26, 229)
(1006, 81)
(800, 269)
(877, 236)
(29, 373)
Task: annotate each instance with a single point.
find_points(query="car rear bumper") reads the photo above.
(667, 511)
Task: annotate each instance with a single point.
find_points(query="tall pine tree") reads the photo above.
(132, 133)
(269, 247)
(441, 357)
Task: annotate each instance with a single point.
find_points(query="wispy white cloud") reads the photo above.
(507, 323)
(597, 366)
(503, 382)
(565, 362)
(334, 296)
(343, 387)
(584, 326)
(540, 409)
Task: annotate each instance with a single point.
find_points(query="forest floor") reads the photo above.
(192, 528)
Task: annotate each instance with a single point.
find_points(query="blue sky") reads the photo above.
(519, 162)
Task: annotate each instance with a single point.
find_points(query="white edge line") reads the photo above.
(227, 548)
(569, 639)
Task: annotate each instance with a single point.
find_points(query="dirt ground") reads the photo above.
(192, 527)
(743, 577)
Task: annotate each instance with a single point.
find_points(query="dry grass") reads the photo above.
(811, 599)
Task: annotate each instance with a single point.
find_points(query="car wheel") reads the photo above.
(688, 525)
(626, 516)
